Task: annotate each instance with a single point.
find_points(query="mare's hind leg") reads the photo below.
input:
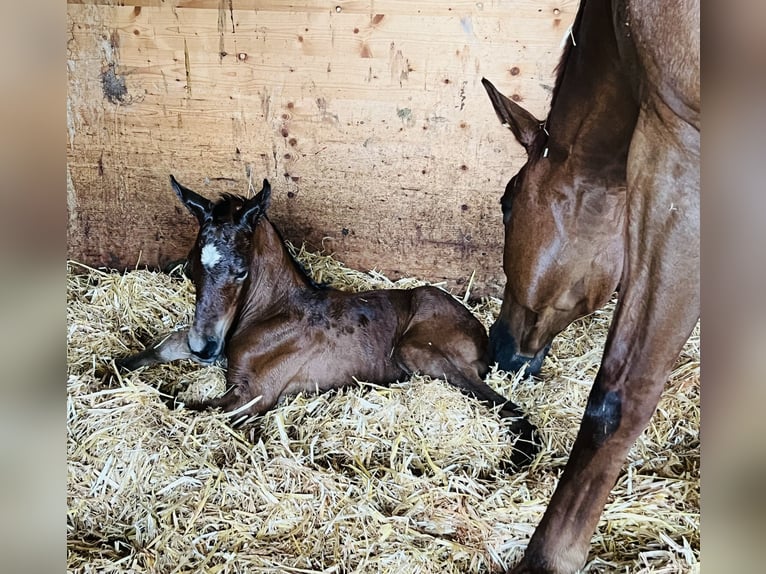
(416, 355)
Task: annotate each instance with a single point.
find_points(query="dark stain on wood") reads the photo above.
(113, 85)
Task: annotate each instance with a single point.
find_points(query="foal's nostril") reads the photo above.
(210, 351)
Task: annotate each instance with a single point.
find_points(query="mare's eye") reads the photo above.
(241, 275)
(505, 201)
(505, 205)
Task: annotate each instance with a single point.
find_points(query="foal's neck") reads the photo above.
(275, 276)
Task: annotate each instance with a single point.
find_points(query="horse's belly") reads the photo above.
(330, 370)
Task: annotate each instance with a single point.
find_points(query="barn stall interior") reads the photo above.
(370, 121)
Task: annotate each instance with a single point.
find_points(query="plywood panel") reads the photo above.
(368, 118)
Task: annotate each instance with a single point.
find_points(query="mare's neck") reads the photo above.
(594, 107)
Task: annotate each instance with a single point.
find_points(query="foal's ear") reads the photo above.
(523, 124)
(257, 206)
(194, 202)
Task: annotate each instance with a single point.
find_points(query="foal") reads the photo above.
(281, 334)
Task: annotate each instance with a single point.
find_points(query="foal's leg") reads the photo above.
(658, 308)
(238, 402)
(171, 348)
(416, 354)
(244, 396)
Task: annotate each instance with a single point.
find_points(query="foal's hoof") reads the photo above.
(527, 444)
(125, 364)
(179, 266)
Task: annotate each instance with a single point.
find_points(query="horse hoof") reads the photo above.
(527, 445)
(179, 266)
(122, 364)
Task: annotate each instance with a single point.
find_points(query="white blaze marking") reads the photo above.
(210, 255)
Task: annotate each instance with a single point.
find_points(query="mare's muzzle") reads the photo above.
(505, 351)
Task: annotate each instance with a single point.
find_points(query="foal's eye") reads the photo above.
(241, 275)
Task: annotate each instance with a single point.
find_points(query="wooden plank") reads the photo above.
(371, 123)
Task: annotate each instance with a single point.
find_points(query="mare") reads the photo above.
(608, 200)
(280, 333)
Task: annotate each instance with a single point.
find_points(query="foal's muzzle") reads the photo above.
(505, 351)
(209, 352)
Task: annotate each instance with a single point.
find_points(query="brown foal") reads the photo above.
(281, 334)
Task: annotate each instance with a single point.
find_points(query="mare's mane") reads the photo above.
(567, 52)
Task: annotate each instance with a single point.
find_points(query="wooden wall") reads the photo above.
(368, 117)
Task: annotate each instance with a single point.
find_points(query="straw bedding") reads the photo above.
(409, 478)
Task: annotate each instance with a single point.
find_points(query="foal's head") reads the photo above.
(219, 262)
(563, 241)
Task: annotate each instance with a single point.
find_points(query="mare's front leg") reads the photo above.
(658, 308)
(173, 347)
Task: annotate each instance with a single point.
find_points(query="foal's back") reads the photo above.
(377, 336)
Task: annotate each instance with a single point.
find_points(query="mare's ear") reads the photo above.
(198, 205)
(257, 206)
(523, 124)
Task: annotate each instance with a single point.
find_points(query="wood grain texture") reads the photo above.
(368, 118)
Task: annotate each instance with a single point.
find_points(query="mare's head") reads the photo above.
(563, 241)
(219, 262)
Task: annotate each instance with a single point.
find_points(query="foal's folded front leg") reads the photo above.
(173, 347)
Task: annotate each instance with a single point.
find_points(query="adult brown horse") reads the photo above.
(609, 196)
(281, 334)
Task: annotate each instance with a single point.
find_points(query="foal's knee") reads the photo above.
(173, 347)
(144, 358)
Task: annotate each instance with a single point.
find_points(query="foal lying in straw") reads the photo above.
(280, 333)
